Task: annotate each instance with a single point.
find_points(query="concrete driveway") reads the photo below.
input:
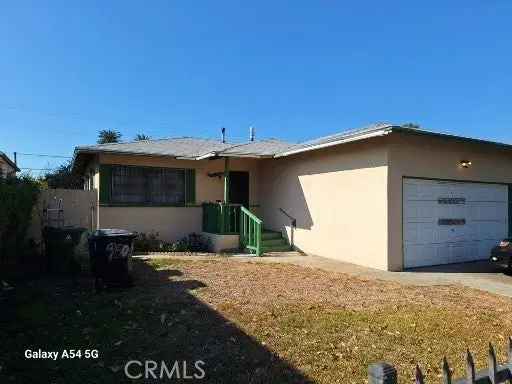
(481, 275)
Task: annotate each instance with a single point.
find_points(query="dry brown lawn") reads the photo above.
(249, 322)
(330, 326)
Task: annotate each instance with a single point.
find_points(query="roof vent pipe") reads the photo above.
(223, 130)
(251, 133)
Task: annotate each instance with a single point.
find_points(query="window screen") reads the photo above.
(167, 186)
(148, 185)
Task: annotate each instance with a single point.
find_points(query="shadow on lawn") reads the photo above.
(198, 332)
(157, 320)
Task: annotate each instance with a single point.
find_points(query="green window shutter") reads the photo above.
(190, 186)
(105, 183)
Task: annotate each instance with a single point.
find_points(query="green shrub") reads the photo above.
(147, 242)
(151, 243)
(191, 243)
(17, 199)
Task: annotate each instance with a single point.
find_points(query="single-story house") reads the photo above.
(386, 196)
(7, 166)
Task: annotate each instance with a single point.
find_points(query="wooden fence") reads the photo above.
(383, 373)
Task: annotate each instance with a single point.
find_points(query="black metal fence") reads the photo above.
(383, 373)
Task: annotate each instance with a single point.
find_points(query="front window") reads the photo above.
(147, 185)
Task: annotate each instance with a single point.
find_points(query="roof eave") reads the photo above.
(11, 163)
(246, 155)
(206, 156)
(356, 137)
(214, 155)
(452, 137)
(117, 152)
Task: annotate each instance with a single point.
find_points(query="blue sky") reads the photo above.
(293, 69)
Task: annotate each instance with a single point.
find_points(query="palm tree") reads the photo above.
(141, 136)
(411, 125)
(108, 136)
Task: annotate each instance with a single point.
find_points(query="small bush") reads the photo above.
(147, 242)
(17, 199)
(191, 243)
(151, 243)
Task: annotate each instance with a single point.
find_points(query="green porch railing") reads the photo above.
(250, 231)
(221, 218)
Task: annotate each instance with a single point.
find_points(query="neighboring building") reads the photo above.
(7, 166)
(385, 196)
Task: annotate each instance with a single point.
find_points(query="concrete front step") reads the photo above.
(272, 242)
(277, 248)
(268, 235)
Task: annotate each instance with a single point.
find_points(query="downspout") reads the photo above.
(226, 180)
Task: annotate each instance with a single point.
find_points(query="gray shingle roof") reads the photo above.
(193, 148)
(196, 148)
(336, 138)
(185, 147)
(380, 129)
(344, 134)
(267, 147)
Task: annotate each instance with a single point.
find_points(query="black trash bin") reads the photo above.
(60, 245)
(110, 252)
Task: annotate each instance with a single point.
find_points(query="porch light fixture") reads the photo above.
(465, 163)
(215, 174)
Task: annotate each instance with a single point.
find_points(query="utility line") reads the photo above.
(44, 155)
(36, 169)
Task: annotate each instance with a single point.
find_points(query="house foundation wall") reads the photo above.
(171, 223)
(219, 243)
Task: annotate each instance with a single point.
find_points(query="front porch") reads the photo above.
(231, 224)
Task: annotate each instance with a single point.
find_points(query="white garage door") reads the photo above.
(452, 222)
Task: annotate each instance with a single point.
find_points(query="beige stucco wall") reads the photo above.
(437, 158)
(79, 209)
(173, 223)
(339, 198)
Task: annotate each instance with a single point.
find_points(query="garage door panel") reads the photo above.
(420, 233)
(427, 253)
(411, 234)
(486, 192)
(486, 210)
(476, 218)
(491, 230)
(431, 211)
(472, 230)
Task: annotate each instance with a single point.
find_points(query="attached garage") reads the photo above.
(452, 222)
(392, 198)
